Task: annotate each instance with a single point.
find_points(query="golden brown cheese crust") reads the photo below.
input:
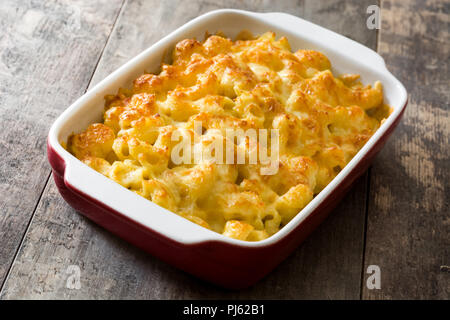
(323, 121)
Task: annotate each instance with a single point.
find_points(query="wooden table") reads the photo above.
(396, 216)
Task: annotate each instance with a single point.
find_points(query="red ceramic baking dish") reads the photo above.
(211, 256)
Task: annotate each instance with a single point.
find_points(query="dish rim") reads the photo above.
(281, 20)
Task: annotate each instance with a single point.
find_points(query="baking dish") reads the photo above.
(211, 256)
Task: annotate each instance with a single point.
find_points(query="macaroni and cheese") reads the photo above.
(253, 83)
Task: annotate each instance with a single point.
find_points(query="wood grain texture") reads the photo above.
(328, 265)
(48, 52)
(409, 218)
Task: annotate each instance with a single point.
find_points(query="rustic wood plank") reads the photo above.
(408, 217)
(47, 55)
(328, 265)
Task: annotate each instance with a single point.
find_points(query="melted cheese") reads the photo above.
(259, 83)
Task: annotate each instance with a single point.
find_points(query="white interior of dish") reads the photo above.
(345, 55)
